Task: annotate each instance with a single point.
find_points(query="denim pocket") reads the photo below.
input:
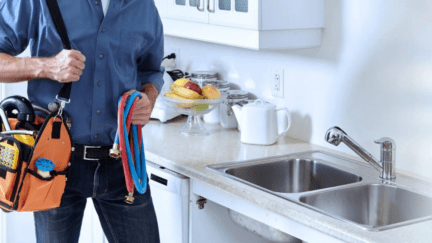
(131, 44)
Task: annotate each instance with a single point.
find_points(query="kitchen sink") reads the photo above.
(344, 189)
(292, 175)
(372, 206)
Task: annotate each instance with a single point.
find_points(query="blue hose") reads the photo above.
(138, 171)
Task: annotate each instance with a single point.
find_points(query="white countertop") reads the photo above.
(190, 156)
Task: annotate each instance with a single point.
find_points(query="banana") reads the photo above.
(173, 95)
(186, 93)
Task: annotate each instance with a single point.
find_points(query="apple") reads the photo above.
(193, 86)
(211, 92)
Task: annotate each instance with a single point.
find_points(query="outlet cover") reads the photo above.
(277, 82)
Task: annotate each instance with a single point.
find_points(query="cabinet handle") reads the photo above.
(208, 6)
(199, 5)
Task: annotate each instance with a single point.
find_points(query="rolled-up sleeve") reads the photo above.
(15, 18)
(149, 65)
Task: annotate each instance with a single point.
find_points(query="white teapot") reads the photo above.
(258, 122)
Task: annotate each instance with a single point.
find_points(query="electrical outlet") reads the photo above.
(277, 82)
(177, 53)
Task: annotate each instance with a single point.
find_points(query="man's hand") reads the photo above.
(145, 105)
(66, 66)
(143, 109)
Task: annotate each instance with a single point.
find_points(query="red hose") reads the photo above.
(128, 177)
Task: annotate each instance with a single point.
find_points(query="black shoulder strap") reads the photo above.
(65, 90)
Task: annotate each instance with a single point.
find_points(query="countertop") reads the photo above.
(190, 156)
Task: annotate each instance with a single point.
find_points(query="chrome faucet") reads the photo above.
(387, 165)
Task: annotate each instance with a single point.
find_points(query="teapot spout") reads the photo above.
(238, 114)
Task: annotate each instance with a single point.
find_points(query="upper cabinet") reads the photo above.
(253, 24)
(234, 13)
(187, 10)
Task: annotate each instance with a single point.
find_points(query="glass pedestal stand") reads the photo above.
(194, 127)
(194, 109)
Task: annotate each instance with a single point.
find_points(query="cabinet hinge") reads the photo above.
(201, 201)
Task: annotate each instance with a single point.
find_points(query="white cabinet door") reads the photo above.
(235, 13)
(187, 10)
(213, 224)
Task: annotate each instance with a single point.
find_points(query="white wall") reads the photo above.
(371, 77)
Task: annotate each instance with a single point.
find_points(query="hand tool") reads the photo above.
(20, 104)
(40, 108)
(8, 155)
(22, 132)
(44, 166)
(4, 120)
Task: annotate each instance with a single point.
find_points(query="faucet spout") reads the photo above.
(335, 136)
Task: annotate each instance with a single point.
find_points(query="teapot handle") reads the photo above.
(288, 116)
(258, 100)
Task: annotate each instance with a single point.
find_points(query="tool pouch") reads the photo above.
(22, 188)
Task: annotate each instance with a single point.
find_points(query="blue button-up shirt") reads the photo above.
(123, 51)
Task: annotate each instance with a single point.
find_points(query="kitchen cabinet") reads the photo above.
(253, 24)
(234, 13)
(212, 224)
(186, 10)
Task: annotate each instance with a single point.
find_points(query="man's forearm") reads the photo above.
(15, 69)
(151, 91)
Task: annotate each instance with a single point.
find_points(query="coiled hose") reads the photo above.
(133, 166)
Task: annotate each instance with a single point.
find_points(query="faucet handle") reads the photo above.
(388, 158)
(386, 143)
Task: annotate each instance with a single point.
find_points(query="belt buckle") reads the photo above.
(85, 152)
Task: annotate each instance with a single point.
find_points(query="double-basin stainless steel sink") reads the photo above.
(344, 189)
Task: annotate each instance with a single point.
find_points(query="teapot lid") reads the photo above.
(259, 104)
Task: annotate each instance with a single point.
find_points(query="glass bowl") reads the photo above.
(194, 109)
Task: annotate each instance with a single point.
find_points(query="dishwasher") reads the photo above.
(170, 194)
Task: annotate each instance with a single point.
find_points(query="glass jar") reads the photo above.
(200, 76)
(223, 86)
(227, 117)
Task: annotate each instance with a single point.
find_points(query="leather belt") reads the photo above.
(92, 152)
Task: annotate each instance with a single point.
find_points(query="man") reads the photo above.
(117, 47)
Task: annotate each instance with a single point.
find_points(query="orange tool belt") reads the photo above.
(22, 188)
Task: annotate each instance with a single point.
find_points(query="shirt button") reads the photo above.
(98, 112)
(103, 29)
(101, 56)
(99, 83)
(96, 136)
(97, 2)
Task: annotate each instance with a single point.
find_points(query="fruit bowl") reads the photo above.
(194, 108)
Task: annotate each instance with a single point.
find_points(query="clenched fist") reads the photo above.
(66, 66)
(143, 109)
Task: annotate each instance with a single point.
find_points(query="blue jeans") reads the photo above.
(104, 182)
